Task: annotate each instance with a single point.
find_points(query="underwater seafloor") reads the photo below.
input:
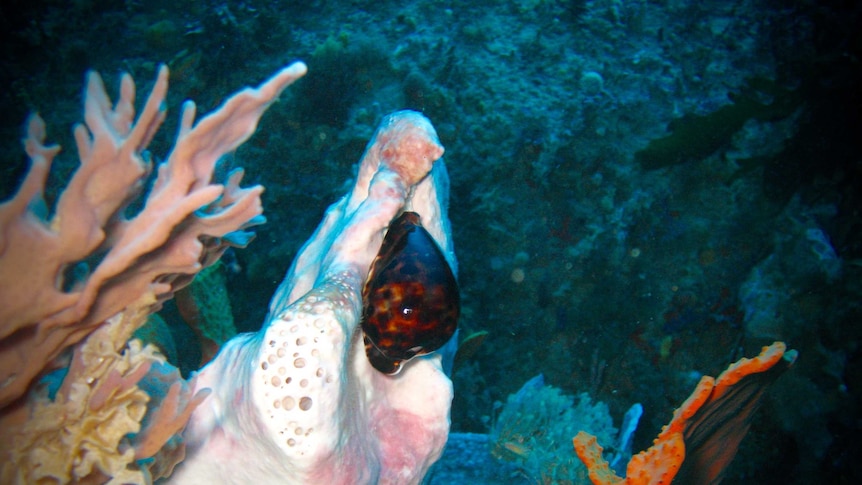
(654, 189)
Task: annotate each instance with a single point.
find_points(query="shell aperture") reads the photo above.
(410, 300)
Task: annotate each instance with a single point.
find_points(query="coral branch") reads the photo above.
(80, 434)
(186, 221)
(169, 418)
(701, 440)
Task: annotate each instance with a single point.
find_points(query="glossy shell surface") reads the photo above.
(410, 300)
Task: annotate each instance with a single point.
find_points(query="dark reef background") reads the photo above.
(642, 192)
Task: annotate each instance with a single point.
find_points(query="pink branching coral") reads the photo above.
(186, 222)
(90, 429)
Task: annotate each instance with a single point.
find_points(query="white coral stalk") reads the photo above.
(298, 402)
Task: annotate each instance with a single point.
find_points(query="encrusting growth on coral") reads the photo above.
(82, 432)
(701, 440)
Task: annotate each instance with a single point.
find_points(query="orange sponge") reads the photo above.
(702, 438)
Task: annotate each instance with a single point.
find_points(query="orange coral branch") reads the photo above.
(701, 440)
(655, 466)
(590, 452)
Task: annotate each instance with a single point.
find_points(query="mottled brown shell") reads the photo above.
(410, 300)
